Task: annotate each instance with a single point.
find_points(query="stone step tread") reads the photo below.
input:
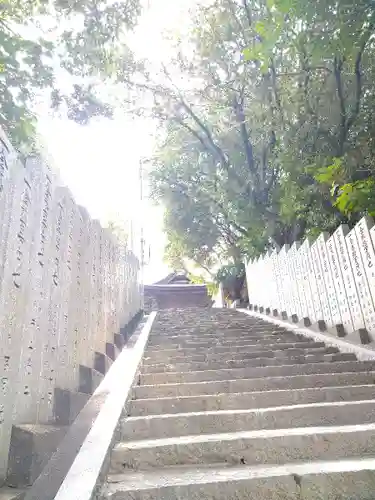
(245, 435)
(250, 411)
(275, 446)
(257, 372)
(7, 493)
(241, 363)
(225, 349)
(246, 354)
(339, 391)
(228, 341)
(208, 422)
(299, 481)
(218, 338)
(230, 333)
(256, 384)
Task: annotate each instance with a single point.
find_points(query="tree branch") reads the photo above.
(338, 63)
(358, 77)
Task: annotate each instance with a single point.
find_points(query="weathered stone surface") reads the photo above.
(269, 371)
(279, 417)
(31, 447)
(255, 384)
(326, 480)
(236, 401)
(67, 405)
(89, 379)
(251, 447)
(208, 409)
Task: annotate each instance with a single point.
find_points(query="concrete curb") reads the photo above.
(362, 353)
(81, 458)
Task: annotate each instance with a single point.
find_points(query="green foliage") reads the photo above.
(44, 42)
(212, 287)
(273, 138)
(230, 271)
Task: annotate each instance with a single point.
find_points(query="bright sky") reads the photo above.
(100, 162)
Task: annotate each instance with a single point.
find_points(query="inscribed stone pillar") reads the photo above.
(95, 287)
(35, 294)
(7, 160)
(362, 230)
(338, 280)
(284, 278)
(75, 298)
(348, 277)
(276, 280)
(322, 291)
(296, 280)
(305, 279)
(16, 276)
(328, 279)
(360, 278)
(85, 344)
(55, 356)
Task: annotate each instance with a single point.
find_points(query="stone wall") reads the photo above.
(328, 283)
(66, 287)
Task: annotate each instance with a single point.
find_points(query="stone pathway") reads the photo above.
(231, 407)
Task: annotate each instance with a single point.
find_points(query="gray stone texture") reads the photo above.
(226, 406)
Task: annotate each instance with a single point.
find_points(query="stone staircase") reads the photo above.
(231, 407)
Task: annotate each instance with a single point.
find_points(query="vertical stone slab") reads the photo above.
(7, 160)
(101, 284)
(115, 268)
(339, 285)
(305, 279)
(343, 256)
(105, 280)
(85, 341)
(35, 294)
(299, 301)
(294, 306)
(15, 277)
(328, 280)
(275, 273)
(362, 285)
(362, 230)
(284, 279)
(75, 300)
(95, 287)
(55, 352)
(257, 291)
(321, 287)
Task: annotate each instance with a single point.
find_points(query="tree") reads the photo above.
(271, 136)
(44, 45)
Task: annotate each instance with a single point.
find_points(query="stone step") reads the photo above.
(279, 446)
(247, 400)
(268, 371)
(329, 480)
(162, 354)
(248, 354)
(254, 384)
(189, 335)
(243, 363)
(278, 417)
(211, 338)
(7, 493)
(264, 339)
(31, 446)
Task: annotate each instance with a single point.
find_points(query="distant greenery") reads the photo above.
(37, 37)
(273, 138)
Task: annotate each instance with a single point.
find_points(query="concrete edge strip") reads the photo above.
(362, 353)
(76, 467)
